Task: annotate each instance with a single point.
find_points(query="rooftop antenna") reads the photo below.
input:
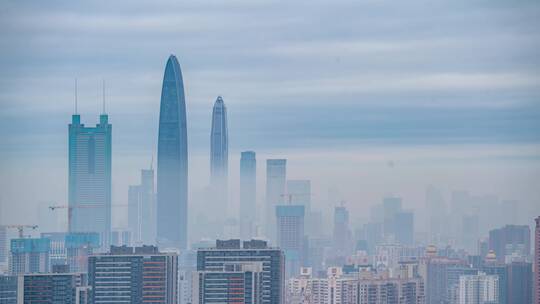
(103, 96)
(75, 95)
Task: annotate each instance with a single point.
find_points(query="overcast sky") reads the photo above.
(447, 90)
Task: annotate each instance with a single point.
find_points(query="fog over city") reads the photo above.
(367, 99)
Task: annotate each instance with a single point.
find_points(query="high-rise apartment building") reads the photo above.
(90, 159)
(361, 288)
(510, 242)
(404, 227)
(537, 261)
(248, 195)
(478, 289)
(79, 246)
(133, 275)
(234, 283)
(172, 162)
(142, 210)
(8, 289)
(29, 255)
(290, 236)
(219, 158)
(254, 251)
(501, 271)
(276, 177)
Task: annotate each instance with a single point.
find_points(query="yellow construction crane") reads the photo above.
(20, 228)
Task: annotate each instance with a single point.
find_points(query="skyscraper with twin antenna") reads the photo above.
(89, 189)
(172, 162)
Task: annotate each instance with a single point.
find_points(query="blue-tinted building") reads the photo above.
(290, 236)
(172, 162)
(29, 255)
(254, 251)
(90, 159)
(8, 289)
(219, 157)
(248, 194)
(142, 210)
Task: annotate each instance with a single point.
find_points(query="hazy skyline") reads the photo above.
(370, 97)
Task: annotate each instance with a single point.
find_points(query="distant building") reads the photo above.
(29, 255)
(276, 176)
(501, 271)
(342, 235)
(235, 283)
(248, 194)
(187, 265)
(290, 236)
(391, 206)
(140, 275)
(254, 251)
(142, 210)
(122, 237)
(520, 285)
(404, 227)
(479, 289)
(510, 241)
(537, 261)
(219, 158)
(90, 159)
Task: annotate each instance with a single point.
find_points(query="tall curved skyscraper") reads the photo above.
(172, 165)
(219, 157)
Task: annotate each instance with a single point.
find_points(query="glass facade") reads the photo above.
(172, 163)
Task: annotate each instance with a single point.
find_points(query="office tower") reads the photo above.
(391, 206)
(142, 210)
(90, 158)
(141, 275)
(404, 227)
(219, 158)
(8, 289)
(478, 289)
(290, 236)
(172, 162)
(79, 246)
(233, 283)
(276, 176)
(520, 285)
(29, 255)
(510, 242)
(3, 245)
(254, 251)
(57, 252)
(342, 236)
(248, 194)
(537, 261)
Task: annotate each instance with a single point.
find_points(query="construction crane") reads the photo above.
(20, 228)
(70, 208)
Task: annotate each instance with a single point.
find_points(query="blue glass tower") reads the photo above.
(90, 159)
(172, 167)
(219, 157)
